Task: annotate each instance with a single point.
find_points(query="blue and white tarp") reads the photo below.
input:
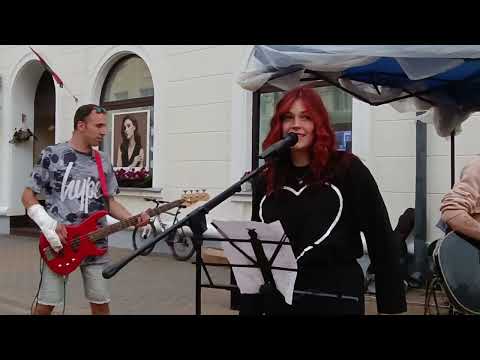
(443, 80)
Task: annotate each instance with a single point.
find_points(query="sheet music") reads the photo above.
(249, 280)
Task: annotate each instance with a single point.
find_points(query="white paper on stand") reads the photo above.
(249, 280)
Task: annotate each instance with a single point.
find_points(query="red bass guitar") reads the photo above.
(81, 238)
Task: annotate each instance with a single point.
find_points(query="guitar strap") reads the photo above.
(103, 181)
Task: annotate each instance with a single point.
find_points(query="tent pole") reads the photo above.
(452, 159)
(420, 232)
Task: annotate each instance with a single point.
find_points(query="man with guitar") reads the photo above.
(456, 256)
(460, 207)
(69, 176)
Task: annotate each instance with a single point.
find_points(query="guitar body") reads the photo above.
(457, 259)
(78, 246)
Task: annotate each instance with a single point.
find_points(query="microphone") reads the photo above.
(287, 142)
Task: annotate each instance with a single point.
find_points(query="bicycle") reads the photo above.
(180, 244)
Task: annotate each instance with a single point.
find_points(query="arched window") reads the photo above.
(127, 95)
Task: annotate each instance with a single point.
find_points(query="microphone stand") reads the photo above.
(198, 224)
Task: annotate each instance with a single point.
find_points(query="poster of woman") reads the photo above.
(131, 139)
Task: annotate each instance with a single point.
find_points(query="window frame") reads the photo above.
(123, 104)
(147, 101)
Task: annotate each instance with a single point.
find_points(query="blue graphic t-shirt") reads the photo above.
(69, 181)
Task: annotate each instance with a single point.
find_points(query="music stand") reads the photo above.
(259, 255)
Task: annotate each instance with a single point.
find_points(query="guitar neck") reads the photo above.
(131, 221)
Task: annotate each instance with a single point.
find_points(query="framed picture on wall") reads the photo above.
(131, 137)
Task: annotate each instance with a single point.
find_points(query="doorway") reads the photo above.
(44, 130)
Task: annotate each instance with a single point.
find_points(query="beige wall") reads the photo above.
(394, 144)
(193, 89)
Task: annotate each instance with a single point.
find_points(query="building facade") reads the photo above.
(197, 122)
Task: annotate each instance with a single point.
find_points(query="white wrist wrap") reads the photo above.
(48, 225)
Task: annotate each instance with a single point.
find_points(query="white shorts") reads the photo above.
(53, 286)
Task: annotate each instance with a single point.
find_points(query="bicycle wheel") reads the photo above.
(182, 246)
(138, 240)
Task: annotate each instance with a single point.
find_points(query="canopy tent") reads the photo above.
(442, 80)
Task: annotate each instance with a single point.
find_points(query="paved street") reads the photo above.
(156, 284)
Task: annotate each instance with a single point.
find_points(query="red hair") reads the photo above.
(324, 137)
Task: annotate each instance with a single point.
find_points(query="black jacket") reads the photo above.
(332, 213)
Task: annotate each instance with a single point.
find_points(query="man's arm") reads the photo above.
(36, 212)
(463, 223)
(29, 198)
(460, 204)
(119, 212)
